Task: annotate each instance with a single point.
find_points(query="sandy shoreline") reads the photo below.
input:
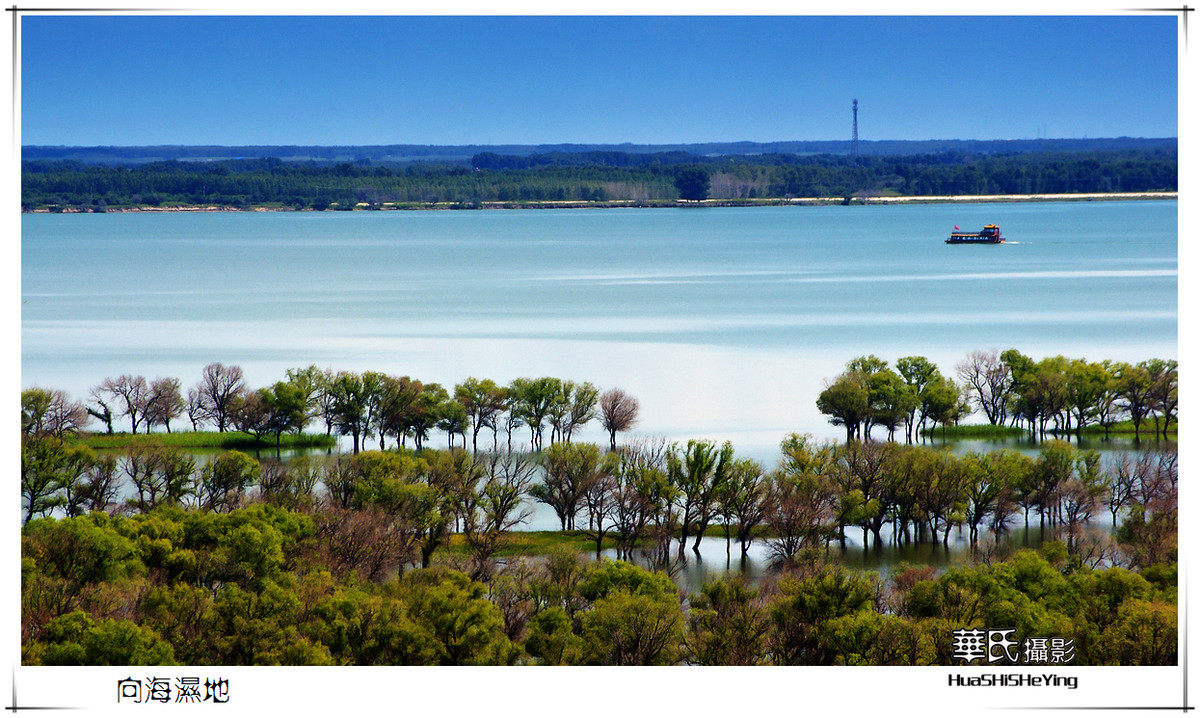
(572, 204)
(1022, 197)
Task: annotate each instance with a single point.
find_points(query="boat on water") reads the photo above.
(988, 235)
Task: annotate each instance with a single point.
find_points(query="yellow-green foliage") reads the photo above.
(249, 587)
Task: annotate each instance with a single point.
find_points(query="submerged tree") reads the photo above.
(569, 470)
(698, 473)
(848, 403)
(483, 400)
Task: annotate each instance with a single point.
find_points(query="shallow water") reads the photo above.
(724, 322)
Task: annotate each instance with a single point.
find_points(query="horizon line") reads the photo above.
(610, 144)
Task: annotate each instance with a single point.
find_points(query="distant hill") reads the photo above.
(462, 154)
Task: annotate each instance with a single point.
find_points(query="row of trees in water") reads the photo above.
(648, 492)
(396, 557)
(1055, 395)
(403, 505)
(610, 176)
(359, 405)
(261, 585)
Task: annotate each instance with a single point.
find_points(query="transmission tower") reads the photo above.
(855, 149)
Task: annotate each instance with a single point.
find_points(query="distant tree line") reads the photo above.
(594, 176)
(1055, 395)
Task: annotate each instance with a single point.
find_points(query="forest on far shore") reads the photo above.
(592, 176)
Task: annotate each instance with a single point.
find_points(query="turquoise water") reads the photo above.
(724, 322)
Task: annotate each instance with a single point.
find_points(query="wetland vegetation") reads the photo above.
(410, 554)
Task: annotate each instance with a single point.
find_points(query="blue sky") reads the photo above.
(122, 80)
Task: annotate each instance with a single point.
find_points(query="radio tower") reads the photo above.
(855, 107)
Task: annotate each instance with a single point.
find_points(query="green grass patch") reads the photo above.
(534, 543)
(976, 431)
(1125, 428)
(541, 543)
(207, 440)
(990, 431)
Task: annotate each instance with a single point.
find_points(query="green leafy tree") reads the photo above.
(362, 628)
(1164, 391)
(310, 383)
(466, 627)
(532, 402)
(942, 402)
(48, 468)
(692, 183)
(552, 640)
(941, 497)
(699, 473)
(727, 625)
(1134, 385)
(743, 499)
(917, 372)
(860, 471)
(224, 479)
(867, 638)
(635, 617)
(569, 470)
(848, 403)
(426, 413)
(452, 418)
(484, 401)
(1087, 385)
(643, 493)
(577, 407)
(286, 408)
(352, 398)
(1145, 633)
(498, 506)
(803, 499)
(992, 482)
(77, 640)
(261, 628)
(50, 413)
(892, 400)
(800, 634)
(399, 401)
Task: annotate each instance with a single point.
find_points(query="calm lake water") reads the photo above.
(724, 322)
(691, 572)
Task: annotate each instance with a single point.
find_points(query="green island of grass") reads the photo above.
(207, 440)
(1123, 429)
